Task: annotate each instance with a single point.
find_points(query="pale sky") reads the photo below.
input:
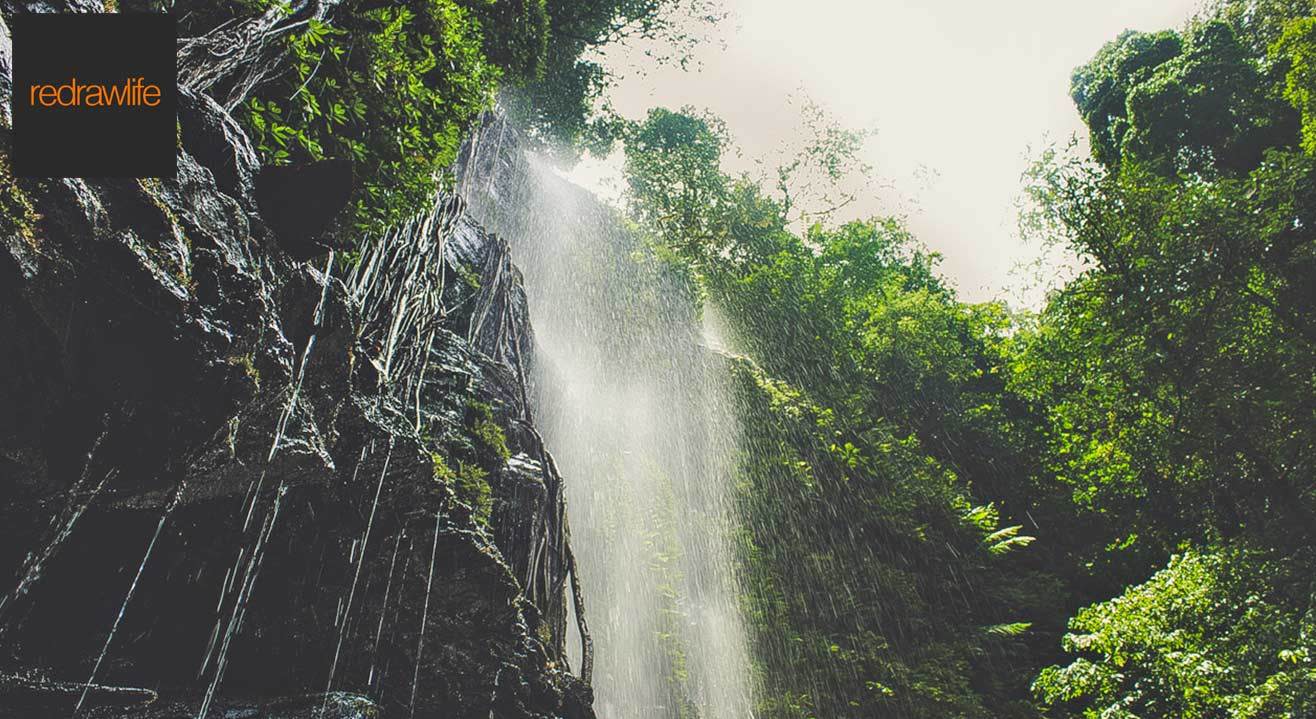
(960, 93)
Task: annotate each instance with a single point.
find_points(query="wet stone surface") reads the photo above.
(235, 484)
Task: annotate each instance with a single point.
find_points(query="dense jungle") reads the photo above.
(457, 438)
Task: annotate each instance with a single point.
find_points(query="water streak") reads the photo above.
(425, 612)
(356, 576)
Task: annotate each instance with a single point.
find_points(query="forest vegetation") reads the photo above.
(1103, 507)
(1151, 426)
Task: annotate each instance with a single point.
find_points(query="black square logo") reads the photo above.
(95, 95)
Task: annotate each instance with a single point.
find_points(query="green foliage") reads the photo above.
(858, 557)
(466, 455)
(677, 188)
(469, 483)
(1174, 369)
(247, 363)
(1259, 23)
(487, 433)
(391, 89)
(1101, 88)
(1007, 630)
(516, 35)
(1006, 539)
(1192, 103)
(1218, 632)
(904, 440)
(1297, 46)
(469, 276)
(1174, 374)
(18, 216)
(558, 105)
(673, 168)
(856, 345)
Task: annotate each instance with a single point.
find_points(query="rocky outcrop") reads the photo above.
(237, 484)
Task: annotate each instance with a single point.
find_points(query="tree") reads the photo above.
(558, 106)
(1178, 364)
(515, 35)
(1193, 103)
(1177, 372)
(674, 172)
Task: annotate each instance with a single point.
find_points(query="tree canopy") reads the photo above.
(1153, 425)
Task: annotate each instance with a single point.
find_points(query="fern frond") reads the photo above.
(1009, 629)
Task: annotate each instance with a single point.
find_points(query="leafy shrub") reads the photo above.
(1216, 633)
(390, 88)
(487, 432)
(17, 215)
(470, 485)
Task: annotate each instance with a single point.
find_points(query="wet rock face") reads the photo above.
(240, 485)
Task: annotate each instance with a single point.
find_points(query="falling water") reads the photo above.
(631, 404)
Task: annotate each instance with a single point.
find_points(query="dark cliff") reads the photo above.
(237, 484)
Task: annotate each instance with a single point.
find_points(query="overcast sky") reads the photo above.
(960, 93)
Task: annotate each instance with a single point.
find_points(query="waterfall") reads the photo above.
(632, 404)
